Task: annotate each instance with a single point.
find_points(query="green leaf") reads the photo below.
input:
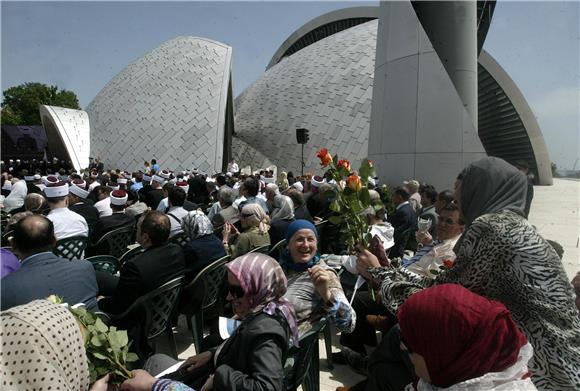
(132, 357)
(96, 341)
(366, 170)
(335, 160)
(335, 206)
(434, 271)
(336, 220)
(365, 197)
(99, 356)
(100, 326)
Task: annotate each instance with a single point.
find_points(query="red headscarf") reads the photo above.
(460, 335)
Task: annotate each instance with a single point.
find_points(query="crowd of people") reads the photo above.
(464, 291)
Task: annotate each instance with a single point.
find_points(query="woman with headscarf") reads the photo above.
(43, 349)
(255, 226)
(203, 247)
(281, 217)
(16, 197)
(252, 357)
(283, 183)
(501, 256)
(458, 340)
(313, 286)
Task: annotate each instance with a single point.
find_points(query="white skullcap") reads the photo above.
(78, 191)
(298, 186)
(54, 190)
(158, 179)
(118, 197)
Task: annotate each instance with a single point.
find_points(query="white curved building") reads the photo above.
(68, 134)
(322, 77)
(173, 104)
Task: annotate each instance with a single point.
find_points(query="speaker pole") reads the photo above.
(302, 160)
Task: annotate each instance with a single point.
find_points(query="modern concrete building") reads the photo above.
(423, 125)
(173, 104)
(68, 134)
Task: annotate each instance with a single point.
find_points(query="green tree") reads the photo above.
(20, 103)
(554, 168)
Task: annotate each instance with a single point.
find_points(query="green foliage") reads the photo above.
(107, 348)
(20, 103)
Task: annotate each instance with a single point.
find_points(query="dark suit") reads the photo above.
(144, 273)
(201, 252)
(302, 213)
(45, 274)
(278, 230)
(109, 223)
(402, 219)
(88, 211)
(189, 206)
(153, 197)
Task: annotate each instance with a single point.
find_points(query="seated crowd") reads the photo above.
(461, 287)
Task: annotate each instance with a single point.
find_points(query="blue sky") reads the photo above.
(82, 45)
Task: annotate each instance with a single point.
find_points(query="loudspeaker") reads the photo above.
(302, 136)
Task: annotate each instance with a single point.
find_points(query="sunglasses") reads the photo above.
(235, 290)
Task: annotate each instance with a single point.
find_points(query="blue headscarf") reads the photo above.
(286, 260)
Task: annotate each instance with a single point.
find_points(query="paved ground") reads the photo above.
(556, 214)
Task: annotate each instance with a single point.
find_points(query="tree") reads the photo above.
(20, 103)
(554, 169)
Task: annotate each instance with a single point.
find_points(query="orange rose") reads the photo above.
(448, 263)
(354, 183)
(324, 156)
(345, 164)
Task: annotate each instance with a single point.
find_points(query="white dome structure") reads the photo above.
(173, 104)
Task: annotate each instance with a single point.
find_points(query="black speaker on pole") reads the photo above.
(302, 136)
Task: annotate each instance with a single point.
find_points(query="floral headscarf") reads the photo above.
(264, 282)
(195, 224)
(254, 216)
(43, 348)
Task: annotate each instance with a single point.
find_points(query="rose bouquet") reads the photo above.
(107, 348)
(351, 197)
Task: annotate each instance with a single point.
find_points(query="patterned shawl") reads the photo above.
(195, 224)
(43, 348)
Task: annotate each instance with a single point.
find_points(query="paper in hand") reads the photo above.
(359, 282)
(227, 326)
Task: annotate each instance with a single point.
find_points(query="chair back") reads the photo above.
(157, 306)
(180, 239)
(71, 248)
(117, 240)
(211, 279)
(300, 361)
(131, 253)
(262, 250)
(105, 263)
(6, 235)
(277, 249)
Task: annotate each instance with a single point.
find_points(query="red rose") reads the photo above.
(344, 163)
(448, 263)
(324, 156)
(354, 183)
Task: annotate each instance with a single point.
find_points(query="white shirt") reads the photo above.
(175, 215)
(434, 258)
(93, 185)
(68, 223)
(104, 207)
(233, 168)
(163, 205)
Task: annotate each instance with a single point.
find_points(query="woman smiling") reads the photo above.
(313, 287)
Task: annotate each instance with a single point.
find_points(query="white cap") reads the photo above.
(113, 186)
(118, 197)
(183, 185)
(28, 178)
(36, 177)
(50, 179)
(298, 186)
(158, 179)
(316, 183)
(54, 190)
(76, 190)
(165, 174)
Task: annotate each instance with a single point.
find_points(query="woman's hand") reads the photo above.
(196, 361)
(208, 384)
(424, 238)
(364, 260)
(141, 381)
(321, 279)
(102, 384)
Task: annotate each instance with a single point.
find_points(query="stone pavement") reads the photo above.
(555, 212)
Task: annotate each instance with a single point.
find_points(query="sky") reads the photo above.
(80, 46)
